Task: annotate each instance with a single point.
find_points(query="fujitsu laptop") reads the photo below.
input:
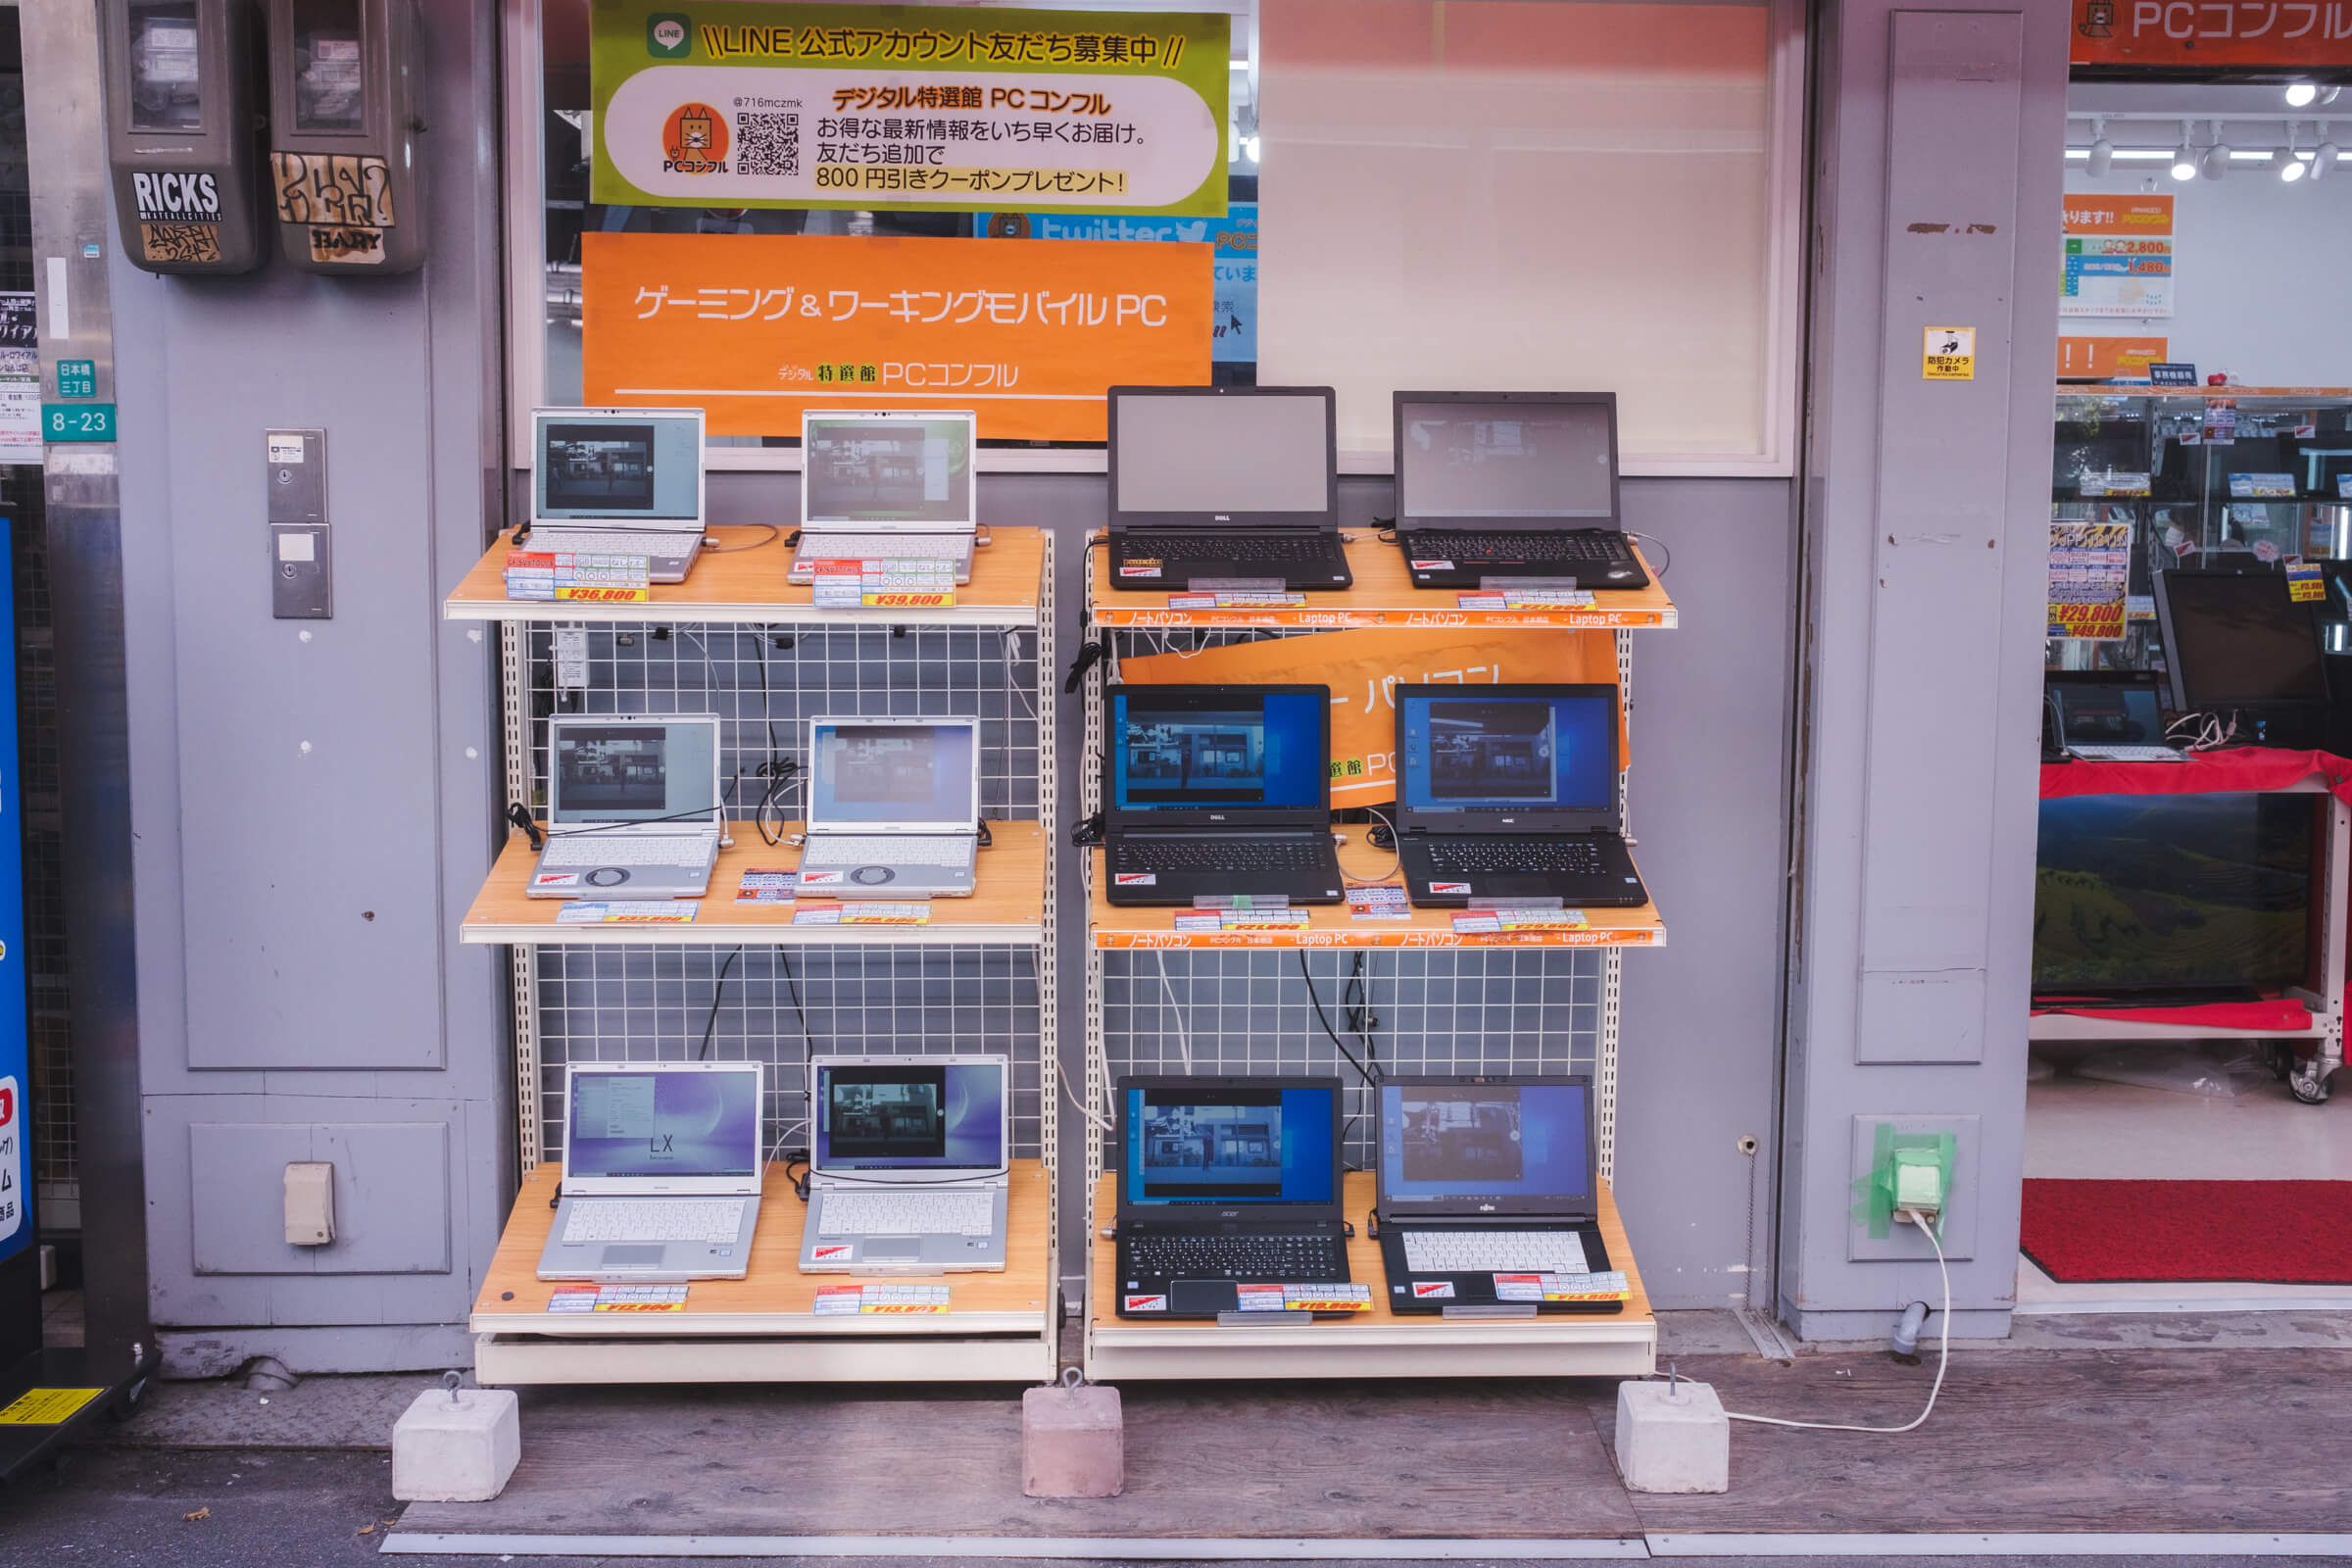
(633, 807)
(1225, 1182)
(620, 482)
(889, 485)
(894, 808)
(1217, 790)
(1510, 792)
(1224, 486)
(909, 1168)
(661, 1167)
(1487, 1176)
(1510, 484)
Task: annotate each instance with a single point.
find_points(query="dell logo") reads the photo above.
(1217, 817)
(1223, 518)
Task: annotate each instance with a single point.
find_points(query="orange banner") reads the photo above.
(2200, 34)
(2141, 216)
(2111, 356)
(755, 328)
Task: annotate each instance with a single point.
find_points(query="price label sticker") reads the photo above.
(2304, 584)
(653, 911)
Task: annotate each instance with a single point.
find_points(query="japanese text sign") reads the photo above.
(756, 328)
(2277, 33)
(2117, 257)
(736, 103)
(2090, 569)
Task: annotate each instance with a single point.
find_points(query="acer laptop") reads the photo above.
(618, 482)
(1217, 790)
(1510, 792)
(633, 807)
(1488, 1178)
(888, 485)
(894, 808)
(1224, 486)
(661, 1167)
(1510, 484)
(909, 1169)
(1225, 1182)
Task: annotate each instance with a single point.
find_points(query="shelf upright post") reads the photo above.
(522, 963)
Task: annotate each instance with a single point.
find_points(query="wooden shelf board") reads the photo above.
(1383, 595)
(1006, 908)
(744, 582)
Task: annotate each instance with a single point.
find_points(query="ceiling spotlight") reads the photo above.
(2217, 160)
(2300, 94)
(2286, 166)
(2102, 151)
(2184, 156)
(2325, 155)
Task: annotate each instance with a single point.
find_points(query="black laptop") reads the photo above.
(1220, 790)
(1511, 484)
(1224, 487)
(1225, 1183)
(1510, 792)
(1489, 1195)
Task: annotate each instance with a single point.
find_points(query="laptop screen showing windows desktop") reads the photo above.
(1500, 753)
(618, 468)
(891, 773)
(1464, 462)
(909, 1117)
(1257, 750)
(1456, 1144)
(1229, 1146)
(633, 772)
(663, 1125)
(915, 469)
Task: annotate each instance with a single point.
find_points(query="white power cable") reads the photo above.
(1184, 1041)
(1943, 1353)
(1095, 1119)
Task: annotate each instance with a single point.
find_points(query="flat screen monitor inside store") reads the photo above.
(2238, 641)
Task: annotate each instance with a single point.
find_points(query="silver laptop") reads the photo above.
(894, 808)
(622, 482)
(662, 1166)
(890, 485)
(907, 1170)
(633, 807)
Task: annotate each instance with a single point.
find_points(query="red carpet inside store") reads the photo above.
(2260, 1232)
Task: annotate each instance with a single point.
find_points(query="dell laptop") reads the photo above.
(909, 1170)
(1224, 487)
(1218, 789)
(633, 807)
(1511, 485)
(893, 486)
(1510, 793)
(1481, 1178)
(894, 808)
(661, 1167)
(618, 482)
(1225, 1182)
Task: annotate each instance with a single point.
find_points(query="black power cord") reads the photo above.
(717, 990)
(1371, 1079)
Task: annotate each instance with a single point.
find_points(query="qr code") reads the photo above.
(767, 144)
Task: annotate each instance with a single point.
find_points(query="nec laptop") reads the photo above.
(1226, 1182)
(1217, 790)
(1510, 484)
(894, 808)
(1487, 1176)
(1509, 792)
(633, 807)
(1224, 486)
(909, 1171)
(892, 485)
(662, 1166)
(622, 482)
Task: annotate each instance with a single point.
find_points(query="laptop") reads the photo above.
(894, 808)
(633, 807)
(909, 1168)
(1482, 1177)
(1217, 790)
(1225, 1182)
(886, 485)
(1510, 792)
(1224, 486)
(622, 482)
(1510, 484)
(661, 1167)
(2112, 717)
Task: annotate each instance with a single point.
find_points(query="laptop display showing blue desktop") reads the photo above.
(1263, 750)
(1450, 1146)
(638, 1123)
(1469, 753)
(1229, 1147)
(873, 1117)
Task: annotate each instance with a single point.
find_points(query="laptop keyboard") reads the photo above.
(1493, 1252)
(920, 1214)
(834, 848)
(626, 849)
(1578, 856)
(1600, 545)
(1304, 548)
(658, 545)
(1294, 1258)
(1217, 852)
(883, 547)
(654, 1219)
(2128, 754)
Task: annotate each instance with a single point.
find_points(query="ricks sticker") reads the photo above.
(1145, 1303)
(180, 216)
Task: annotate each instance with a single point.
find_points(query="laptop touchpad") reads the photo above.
(878, 1248)
(1202, 1295)
(638, 1256)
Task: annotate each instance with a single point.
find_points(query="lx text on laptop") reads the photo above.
(661, 1167)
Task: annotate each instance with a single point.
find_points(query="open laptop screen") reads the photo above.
(905, 775)
(1476, 753)
(618, 469)
(1229, 1145)
(678, 1123)
(1174, 751)
(612, 773)
(911, 1115)
(1461, 462)
(869, 468)
(1455, 1147)
(1247, 455)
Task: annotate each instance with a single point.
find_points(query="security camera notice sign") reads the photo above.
(1949, 355)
